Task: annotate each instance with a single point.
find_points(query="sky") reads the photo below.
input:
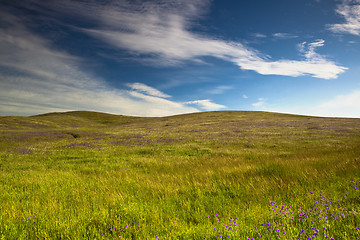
(168, 57)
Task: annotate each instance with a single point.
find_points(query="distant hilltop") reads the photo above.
(87, 119)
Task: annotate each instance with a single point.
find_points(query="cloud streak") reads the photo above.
(350, 11)
(220, 89)
(344, 105)
(347, 105)
(314, 64)
(37, 78)
(284, 36)
(260, 103)
(159, 32)
(140, 87)
(206, 105)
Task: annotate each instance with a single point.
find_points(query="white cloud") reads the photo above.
(36, 78)
(207, 105)
(350, 11)
(158, 31)
(220, 89)
(346, 105)
(318, 69)
(148, 90)
(284, 35)
(260, 103)
(315, 64)
(308, 49)
(245, 96)
(156, 106)
(259, 35)
(340, 106)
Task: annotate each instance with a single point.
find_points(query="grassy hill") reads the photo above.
(76, 119)
(88, 175)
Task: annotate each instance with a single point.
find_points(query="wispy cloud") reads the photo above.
(284, 36)
(308, 49)
(245, 96)
(165, 35)
(140, 87)
(345, 105)
(37, 78)
(350, 11)
(340, 106)
(220, 89)
(157, 106)
(207, 105)
(260, 103)
(259, 35)
(158, 31)
(314, 64)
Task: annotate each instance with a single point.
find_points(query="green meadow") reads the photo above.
(210, 175)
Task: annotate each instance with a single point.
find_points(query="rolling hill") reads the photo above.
(209, 175)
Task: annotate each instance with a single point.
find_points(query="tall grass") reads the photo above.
(225, 175)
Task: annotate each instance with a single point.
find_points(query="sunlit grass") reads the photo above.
(179, 177)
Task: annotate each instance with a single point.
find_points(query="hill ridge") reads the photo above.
(95, 120)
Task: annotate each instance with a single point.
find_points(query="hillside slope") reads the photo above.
(86, 175)
(75, 119)
(206, 127)
(217, 121)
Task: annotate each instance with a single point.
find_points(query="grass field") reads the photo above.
(211, 175)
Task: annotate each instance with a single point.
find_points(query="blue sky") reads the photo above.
(167, 57)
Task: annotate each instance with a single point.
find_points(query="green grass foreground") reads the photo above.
(212, 175)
